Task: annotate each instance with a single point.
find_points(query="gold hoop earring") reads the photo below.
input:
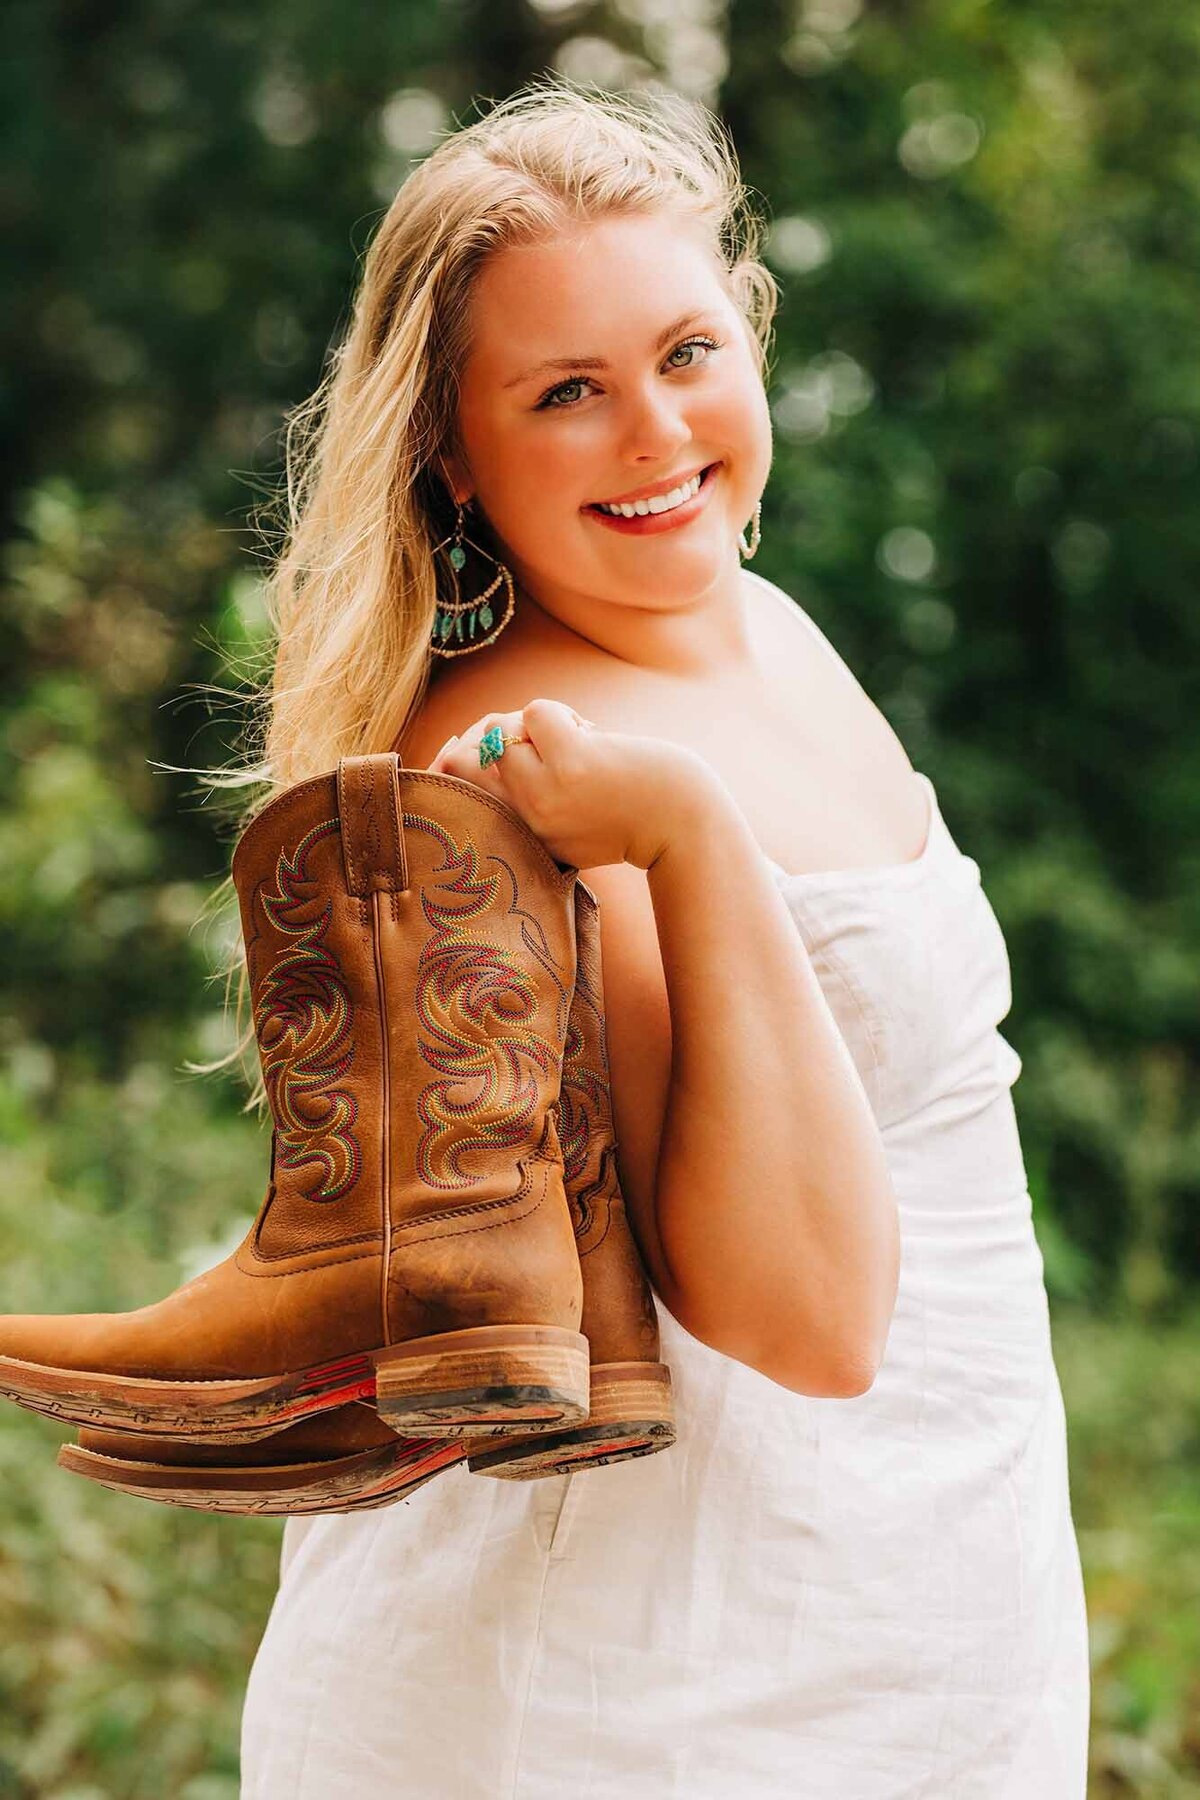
(477, 609)
(748, 549)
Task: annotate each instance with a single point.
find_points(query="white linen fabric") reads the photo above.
(876, 1598)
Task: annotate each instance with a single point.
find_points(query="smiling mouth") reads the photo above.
(601, 506)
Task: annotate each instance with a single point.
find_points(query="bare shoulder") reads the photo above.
(495, 681)
(456, 696)
(790, 628)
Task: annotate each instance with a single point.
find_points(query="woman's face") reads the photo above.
(654, 380)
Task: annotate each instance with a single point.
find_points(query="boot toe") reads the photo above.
(50, 1340)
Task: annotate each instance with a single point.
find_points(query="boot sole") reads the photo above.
(378, 1477)
(340, 1484)
(481, 1382)
(632, 1414)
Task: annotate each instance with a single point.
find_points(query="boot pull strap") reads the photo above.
(371, 814)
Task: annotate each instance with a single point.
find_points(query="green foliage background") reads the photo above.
(986, 397)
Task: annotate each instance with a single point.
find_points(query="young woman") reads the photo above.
(855, 1574)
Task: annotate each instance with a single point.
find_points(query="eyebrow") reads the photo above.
(597, 362)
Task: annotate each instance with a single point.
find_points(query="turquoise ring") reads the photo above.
(495, 742)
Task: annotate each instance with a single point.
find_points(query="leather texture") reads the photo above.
(619, 1317)
(411, 951)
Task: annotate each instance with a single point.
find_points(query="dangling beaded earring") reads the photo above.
(478, 608)
(748, 549)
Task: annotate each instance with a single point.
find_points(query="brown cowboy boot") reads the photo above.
(631, 1412)
(411, 951)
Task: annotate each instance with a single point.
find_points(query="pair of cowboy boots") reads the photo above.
(441, 1267)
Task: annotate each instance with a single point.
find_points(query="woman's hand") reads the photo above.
(593, 796)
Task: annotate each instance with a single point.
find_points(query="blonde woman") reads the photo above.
(854, 1577)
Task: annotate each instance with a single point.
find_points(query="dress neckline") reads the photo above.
(897, 873)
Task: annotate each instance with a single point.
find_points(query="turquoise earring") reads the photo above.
(476, 610)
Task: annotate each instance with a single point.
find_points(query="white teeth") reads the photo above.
(661, 502)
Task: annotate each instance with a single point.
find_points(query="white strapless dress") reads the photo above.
(875, 1598)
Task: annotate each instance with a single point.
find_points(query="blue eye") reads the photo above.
(574, 381)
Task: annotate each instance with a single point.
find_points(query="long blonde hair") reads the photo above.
(352, 595)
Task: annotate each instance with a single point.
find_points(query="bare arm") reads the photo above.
(746, 1146)
(748, 1149)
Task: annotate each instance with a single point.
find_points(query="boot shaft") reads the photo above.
(619, 1318)
(411, 952)
(585, 1121)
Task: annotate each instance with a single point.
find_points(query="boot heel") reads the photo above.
(484, 1382)
(632, 1414)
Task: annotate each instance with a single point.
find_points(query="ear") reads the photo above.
(455, 478)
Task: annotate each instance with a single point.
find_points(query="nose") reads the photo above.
(656, 429)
